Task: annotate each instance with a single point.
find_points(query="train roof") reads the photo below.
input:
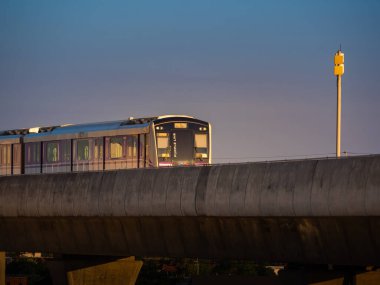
(8, 139)
(129, 126)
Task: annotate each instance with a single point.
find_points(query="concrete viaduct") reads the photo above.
(320, 211)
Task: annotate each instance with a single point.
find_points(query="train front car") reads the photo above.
(133, 143)
(182, 140)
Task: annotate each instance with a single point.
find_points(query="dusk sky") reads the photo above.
(260, 71)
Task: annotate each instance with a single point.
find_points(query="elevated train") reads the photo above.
(133, 143)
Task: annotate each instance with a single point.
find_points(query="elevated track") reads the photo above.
(319, 211)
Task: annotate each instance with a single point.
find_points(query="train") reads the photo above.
(161, 141)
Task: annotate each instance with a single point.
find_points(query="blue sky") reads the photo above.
(259, 71)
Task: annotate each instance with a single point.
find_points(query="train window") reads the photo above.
(162, 140)
(132, 146)
(32, 152)
(5, 159)
(141, 150)
(201, 140)
(5, 154)
(132, 151)
(147, 151)
(66, 150)
(116, 147)
(163, 148)
(83, 150)
(98, 149)
(201, 146)
(52, 152)
(32, 158)
(17, 158)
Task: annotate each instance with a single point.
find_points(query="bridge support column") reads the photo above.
(2, 268)
(120, 272)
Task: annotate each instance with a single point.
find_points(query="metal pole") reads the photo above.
(338, 71)
(338, 114)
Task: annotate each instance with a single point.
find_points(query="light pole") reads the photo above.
(338, 71)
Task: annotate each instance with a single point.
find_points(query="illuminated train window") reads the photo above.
(163, 145)
(83, 150)
(52, 152)
(201, 140)
(116, 147)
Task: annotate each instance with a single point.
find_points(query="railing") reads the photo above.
(132, 164)
(85, 166)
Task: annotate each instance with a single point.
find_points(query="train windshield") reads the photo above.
(183, 146)
(176, 146)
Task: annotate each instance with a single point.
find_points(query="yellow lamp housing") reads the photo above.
(339, 58)
(339, 63)
(339, 69)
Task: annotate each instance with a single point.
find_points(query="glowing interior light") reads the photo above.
(180, 125)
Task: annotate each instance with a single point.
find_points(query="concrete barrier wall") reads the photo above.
(331, 187)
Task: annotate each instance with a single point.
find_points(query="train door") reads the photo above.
(182, 145)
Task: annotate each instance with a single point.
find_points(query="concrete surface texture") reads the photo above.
(315, 211)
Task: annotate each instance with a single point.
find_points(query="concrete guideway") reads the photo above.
(313, 211)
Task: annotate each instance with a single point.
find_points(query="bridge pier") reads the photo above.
(94, 271)
(120, 272)
(2, 268)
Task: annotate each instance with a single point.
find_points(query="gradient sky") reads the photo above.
(260, 71)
